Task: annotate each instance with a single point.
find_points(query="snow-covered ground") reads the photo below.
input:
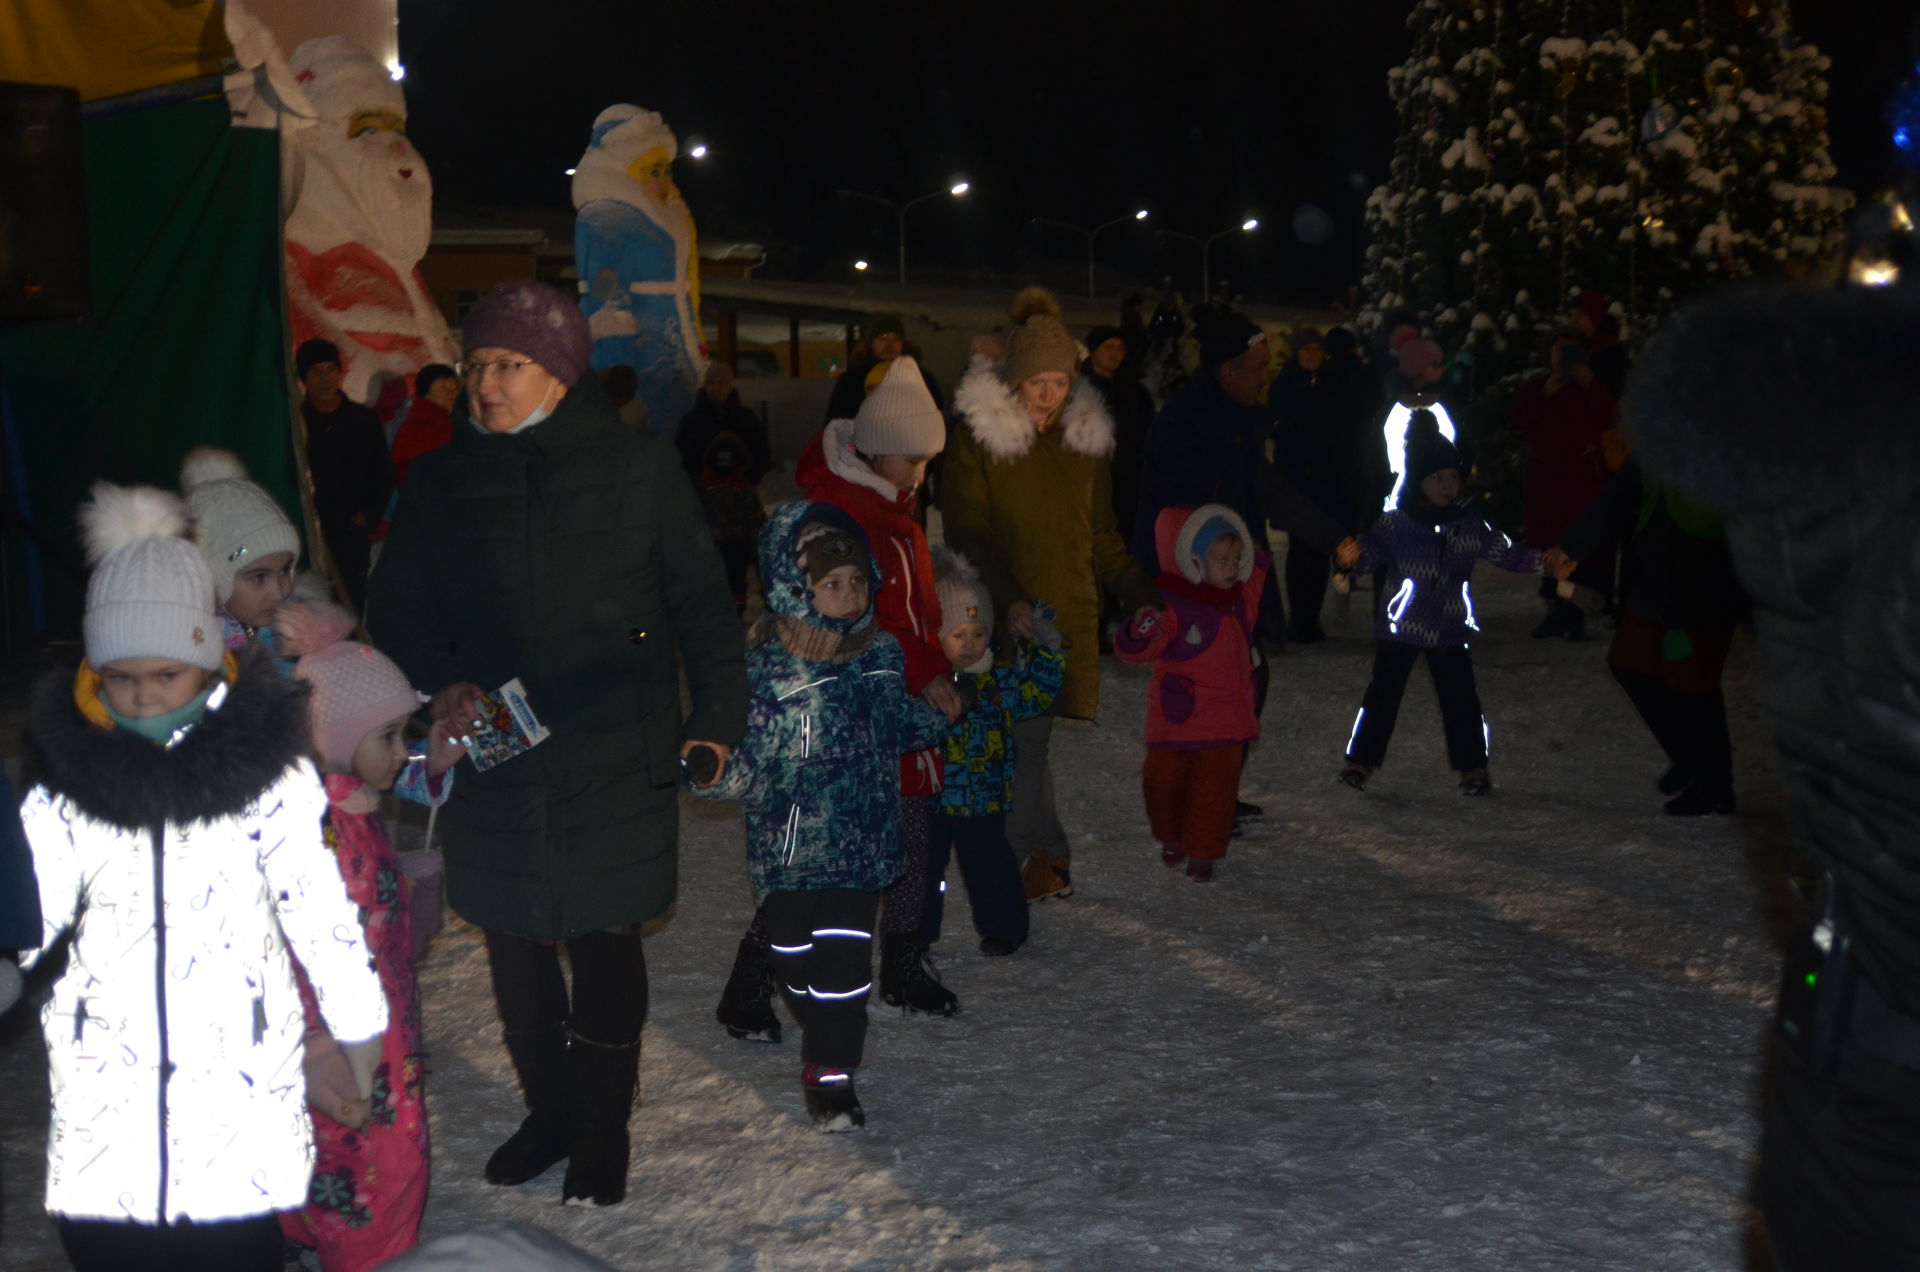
(1403, 1029)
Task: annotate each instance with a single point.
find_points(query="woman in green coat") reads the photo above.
(1028, 497)
(550, 544)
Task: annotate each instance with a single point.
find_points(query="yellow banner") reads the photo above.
(108, 47)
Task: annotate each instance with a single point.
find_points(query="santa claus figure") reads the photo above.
(362, 212)
(639, 272)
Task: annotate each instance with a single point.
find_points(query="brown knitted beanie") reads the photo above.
(1039, 340)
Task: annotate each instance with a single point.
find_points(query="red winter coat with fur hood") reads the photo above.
(1201, 646)
(907, 606)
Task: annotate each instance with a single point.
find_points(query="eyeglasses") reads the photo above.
(505, 368)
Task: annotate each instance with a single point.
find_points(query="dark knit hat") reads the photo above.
(533, 319)
(1591, 303)
(1300, 337)
(1427, 454)
(885, 325)
(1103, 333)
(431, 374)
(822, 548)
(312, 353)
(1341, 342)
(1224, 336)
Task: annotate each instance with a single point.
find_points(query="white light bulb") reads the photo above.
(699, 151)
(397, 72)
(1141, 215)
(571, 171)
(961, 187)
(859, 264)
(1250, 224)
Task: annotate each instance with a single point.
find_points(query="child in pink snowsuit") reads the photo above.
(1200, 703)
(370, 1175)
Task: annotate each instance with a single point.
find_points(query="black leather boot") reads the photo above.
(605, 1079)
(540, 1058)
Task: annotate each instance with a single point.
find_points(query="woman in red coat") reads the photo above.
(1562, 413)
(871, 467)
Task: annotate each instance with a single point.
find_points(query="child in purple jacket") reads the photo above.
(1429, 545)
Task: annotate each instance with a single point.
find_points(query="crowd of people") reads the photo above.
(892, 709)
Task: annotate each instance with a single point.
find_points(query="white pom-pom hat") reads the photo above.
(235, 521)
(151, 594)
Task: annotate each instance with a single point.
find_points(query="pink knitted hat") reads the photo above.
(356, 688)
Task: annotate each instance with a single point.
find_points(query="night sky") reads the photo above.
(1203, 112)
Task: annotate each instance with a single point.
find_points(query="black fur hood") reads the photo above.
(1778, 395)
(220, 767)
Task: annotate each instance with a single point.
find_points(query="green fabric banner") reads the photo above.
(187, 344)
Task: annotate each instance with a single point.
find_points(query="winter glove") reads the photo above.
(333, 1089)
(968, 688)
(1046, 631)
(700, 765)
(362, 1058)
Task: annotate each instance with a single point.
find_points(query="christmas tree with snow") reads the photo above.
(1652, 149)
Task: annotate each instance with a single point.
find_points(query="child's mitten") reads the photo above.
(1046, 630)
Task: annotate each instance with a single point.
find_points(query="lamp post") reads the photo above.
(1247, 226)
(959, 187)
(1091, 232)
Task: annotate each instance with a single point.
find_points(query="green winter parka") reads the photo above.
(575, 557)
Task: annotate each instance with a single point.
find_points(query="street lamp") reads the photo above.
(698, 150)
(959, 187)
(1091, 232)
(861, 266)
(1247, 226)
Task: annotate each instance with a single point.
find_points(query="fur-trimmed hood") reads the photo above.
(1783, 394)
(236, 751)
(1003, 430)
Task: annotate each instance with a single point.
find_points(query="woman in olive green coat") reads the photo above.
(549, 543)
(1028, 496)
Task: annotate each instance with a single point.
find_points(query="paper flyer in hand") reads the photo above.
(507, 726)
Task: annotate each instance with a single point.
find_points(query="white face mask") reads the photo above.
(537, 414)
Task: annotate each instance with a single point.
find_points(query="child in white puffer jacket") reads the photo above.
(176, 831)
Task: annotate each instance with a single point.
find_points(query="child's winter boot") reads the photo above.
(831, 1101)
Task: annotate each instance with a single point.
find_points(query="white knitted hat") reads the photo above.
(356, 688)
(235, 521)
(151, 594)
(963, 597)
(898, 417)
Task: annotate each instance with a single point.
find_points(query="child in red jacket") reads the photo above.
(1200, 714)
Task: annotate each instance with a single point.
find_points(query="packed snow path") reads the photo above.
(1402, 1029)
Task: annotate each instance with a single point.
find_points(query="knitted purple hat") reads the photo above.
(533, 319)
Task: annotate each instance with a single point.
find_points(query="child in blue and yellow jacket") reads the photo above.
(971, 823)
(819, 773)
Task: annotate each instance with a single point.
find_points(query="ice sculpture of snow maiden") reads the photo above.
(639, 271)
(361, 214)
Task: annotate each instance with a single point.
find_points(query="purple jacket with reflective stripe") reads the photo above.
(1428, 598)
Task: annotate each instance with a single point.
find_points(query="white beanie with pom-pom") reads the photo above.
(235, 521)
(151, 594)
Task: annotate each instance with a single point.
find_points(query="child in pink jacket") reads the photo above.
(370, 1176)
(1200, 714)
